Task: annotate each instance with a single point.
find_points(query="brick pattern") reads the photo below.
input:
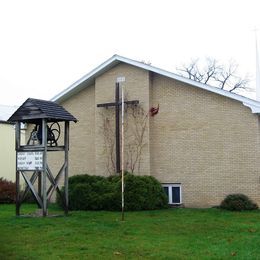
(204, 141)
(82, 135)
(136, 88)
(208, 143)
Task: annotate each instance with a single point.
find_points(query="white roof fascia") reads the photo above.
(86, 78)
(75, 87)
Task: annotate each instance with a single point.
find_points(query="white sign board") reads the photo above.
(120, 79)
(29, 161)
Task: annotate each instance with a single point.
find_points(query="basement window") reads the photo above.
(173, 192)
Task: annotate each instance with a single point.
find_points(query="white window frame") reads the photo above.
(170, 186)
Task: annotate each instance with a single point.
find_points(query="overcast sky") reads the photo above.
(45, 46)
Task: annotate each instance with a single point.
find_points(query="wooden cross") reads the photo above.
(117, 105)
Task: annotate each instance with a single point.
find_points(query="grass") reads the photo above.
(160, 234)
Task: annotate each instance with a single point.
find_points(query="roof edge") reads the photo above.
(6, 122)
(66, 93)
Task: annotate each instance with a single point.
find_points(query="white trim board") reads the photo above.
(89, 78)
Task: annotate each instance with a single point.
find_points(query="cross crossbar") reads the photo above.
(112, 104)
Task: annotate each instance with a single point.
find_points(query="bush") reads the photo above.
(144, 193)
(88, 192)
(238, 202)
(7, 191)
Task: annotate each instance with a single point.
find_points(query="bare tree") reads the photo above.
(108, 132)
(212, 73)
(135, 127)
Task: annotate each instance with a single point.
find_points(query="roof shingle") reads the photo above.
(32, 110)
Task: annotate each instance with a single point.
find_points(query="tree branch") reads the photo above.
(214, 74)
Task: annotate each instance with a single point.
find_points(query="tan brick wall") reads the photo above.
(204, 141)
(82, 135)
(87, 146)
(136, 88)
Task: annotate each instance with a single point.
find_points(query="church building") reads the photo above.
(202, 143)
(7, 152)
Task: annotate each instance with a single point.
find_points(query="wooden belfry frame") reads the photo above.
(40, 113)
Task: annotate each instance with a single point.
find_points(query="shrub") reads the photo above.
(80, 194)
(100, 193)
(84, 178)
(238, 202)
(89, 192)
(143, 193)
(7, 191)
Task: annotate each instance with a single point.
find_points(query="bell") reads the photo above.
(52, 134)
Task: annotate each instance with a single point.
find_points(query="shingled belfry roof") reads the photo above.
(32, 110)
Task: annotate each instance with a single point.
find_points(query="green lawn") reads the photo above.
(160, 234)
